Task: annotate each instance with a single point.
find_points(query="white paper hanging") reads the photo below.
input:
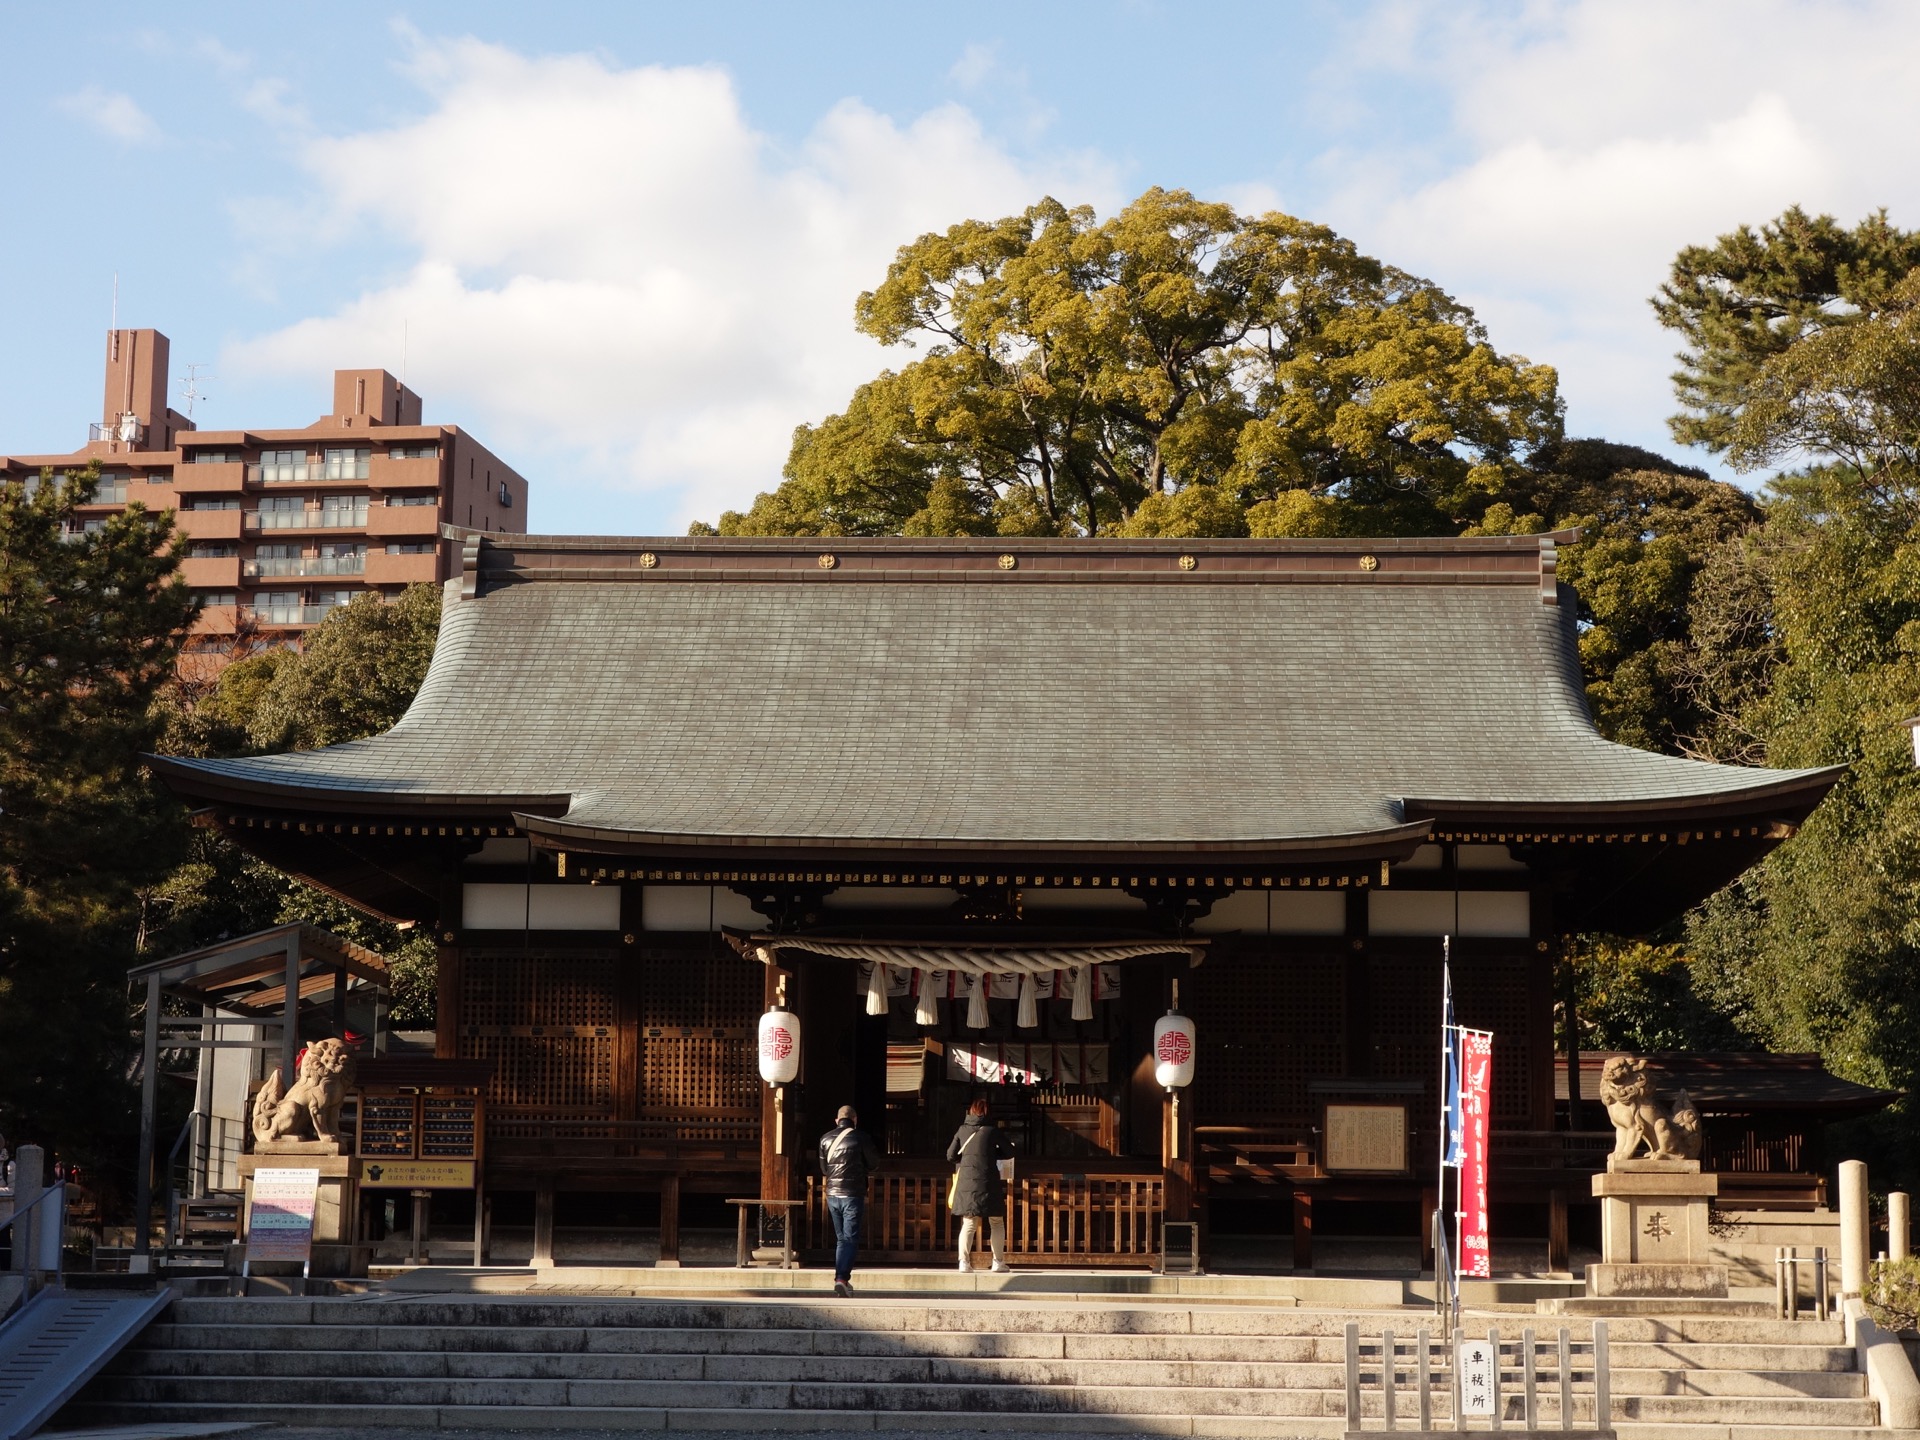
(927, 1010)
(1027, 1015)
(1083, 992)
(977, 1004)
(877, 991)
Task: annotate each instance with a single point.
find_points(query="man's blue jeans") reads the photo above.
(846, 1212)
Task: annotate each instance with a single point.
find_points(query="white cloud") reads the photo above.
(614, 266)
(1592, 140)
(113, 114)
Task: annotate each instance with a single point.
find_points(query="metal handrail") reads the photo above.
(20, 1210)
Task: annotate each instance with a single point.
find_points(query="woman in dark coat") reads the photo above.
(979, 1192)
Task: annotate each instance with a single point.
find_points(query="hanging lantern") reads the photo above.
(779, 1047)
(1173, 1050)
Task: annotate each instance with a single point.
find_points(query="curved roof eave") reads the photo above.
(202, 780)
(1390, 843)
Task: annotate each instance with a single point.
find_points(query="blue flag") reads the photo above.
(1452, 1081)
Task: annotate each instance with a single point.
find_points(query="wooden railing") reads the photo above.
(1256, 1154)
(1095, 1217)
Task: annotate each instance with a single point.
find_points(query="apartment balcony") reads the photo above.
(273, 567)
(281, 617)
(396, 521)
(209, 524)
(385, 569)
(310, 517)
(388, 473)
(211, 572)
(224, 478)
(310, 472)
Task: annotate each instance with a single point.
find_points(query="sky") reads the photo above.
(621, 243)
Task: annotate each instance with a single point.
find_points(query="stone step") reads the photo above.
(1804, 1384)
(582, 1418)
(1694, 1355)
(1005, 1399)
(905, 1370)
(908, 1369)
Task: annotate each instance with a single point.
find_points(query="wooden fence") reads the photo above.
(1096, 1217)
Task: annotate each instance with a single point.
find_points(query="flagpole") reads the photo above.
(1442, 1261)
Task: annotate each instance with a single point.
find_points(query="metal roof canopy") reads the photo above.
(255, 978)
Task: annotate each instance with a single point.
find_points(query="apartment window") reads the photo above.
(506, 496)
(341, 511)
(332, 599)
(345, 464)
(213, 599)
(280, 467)
(213, 457)
(413, 499)
(157, 477)
(411, 548)
(413, 452)
(224, 504)
(213, 550)
(110, 489)
(276, 552)
(278, 607)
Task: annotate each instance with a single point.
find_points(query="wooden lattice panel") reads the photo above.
(1490, 993)
(548, 1019)
(697, 1013)
(1266, 1023)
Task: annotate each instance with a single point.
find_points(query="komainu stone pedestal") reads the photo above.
(1654, 1240)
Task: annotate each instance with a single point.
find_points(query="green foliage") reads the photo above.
(1758, 308)
(1893, 1294)
(1078, 371)
(90, 622)
(1640, 995)
(1819, 947)
(355, 677)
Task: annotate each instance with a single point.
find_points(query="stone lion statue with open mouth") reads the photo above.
(311, 1109)
(1668, 1124)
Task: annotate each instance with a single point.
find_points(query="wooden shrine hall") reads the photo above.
(978, 813)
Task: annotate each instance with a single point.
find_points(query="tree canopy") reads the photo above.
(1175, 369)
(91, 618)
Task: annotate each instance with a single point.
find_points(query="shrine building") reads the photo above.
(979, 813)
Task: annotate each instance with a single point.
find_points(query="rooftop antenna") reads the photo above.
(190, 390)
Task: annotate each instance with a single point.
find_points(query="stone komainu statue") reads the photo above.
(311, 1109)
(1669, 1124)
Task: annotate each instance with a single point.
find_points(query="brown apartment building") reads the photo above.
(283, 526)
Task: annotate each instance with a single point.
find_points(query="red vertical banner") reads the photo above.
(1476, 1097)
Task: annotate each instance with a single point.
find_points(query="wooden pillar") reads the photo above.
(290, 1013)
(340, 1003)
(1359, 988)
(778, 1137)
(543, 1222)
(1303, 1230)
(143, 1175)
(669, 1223)
(1540, 986)
(1558, 1256)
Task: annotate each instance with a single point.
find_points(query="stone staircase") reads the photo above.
(1009, 1363)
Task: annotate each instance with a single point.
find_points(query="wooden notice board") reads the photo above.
(1364, 1139)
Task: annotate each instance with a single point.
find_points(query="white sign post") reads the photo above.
(280, 1218)
(1478, 1370)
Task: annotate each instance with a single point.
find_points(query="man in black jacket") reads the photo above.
(847, 1157)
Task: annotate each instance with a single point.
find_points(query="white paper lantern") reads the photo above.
(1173, 1051)
(779, 1047)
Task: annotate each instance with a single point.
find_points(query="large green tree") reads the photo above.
(1080, 376)
(354, 676)
(91, 616)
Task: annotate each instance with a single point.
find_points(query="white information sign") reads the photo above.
(1477, 1377)
(280, 1218)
